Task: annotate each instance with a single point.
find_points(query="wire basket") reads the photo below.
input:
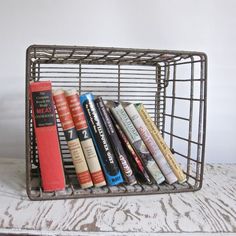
(171, 84)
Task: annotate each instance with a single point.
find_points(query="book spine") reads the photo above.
(115, 142)
(135, 140)
(73, 142)
(44, 122)
(103, 147)
(161, 143)
(85, 138)
(139, 166)
(150, 143)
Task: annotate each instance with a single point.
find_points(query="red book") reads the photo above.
(50, 161)
(85, 138)
(73, 142)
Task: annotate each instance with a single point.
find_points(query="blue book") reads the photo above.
(103, 147)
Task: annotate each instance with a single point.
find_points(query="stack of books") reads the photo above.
(110, 142)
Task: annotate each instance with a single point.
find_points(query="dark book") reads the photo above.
(106, 156)
(115, 142)
(135, 161)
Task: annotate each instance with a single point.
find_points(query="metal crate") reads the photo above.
(171, 84)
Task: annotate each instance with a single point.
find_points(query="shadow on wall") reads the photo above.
(12, 124)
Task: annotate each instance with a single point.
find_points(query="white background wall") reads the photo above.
(204, 25)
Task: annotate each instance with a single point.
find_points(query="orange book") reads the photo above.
(73, 142)
(85, 137)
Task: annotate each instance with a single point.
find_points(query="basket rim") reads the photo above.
(115, 49)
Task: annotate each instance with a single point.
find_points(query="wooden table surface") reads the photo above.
(212, 209)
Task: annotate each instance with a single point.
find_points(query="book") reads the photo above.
(44, 122)
(150, 143)
(85, 138)
(71, 137)
(102, 145)
(161, 143)
(136, 141)
(115, 142)
(134, 158)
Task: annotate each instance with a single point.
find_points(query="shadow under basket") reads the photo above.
(172, 85)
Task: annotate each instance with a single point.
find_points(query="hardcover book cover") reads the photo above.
(44, 121)
(85, 137)
(136, 141)
(115, 142)
(134, 158)
(73, 142)
(103, 147)
(161, 143)
(150, 143)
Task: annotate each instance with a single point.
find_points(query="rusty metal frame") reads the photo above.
(83, 68)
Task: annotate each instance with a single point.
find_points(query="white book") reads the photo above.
(161, 142)
(150, 143)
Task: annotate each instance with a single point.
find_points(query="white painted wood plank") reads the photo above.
(212, 209)
(70, 233)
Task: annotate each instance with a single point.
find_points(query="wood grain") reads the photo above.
(212, 209)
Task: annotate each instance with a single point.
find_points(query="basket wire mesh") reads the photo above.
(171, 85)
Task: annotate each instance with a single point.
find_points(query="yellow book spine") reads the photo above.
(161, 143)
